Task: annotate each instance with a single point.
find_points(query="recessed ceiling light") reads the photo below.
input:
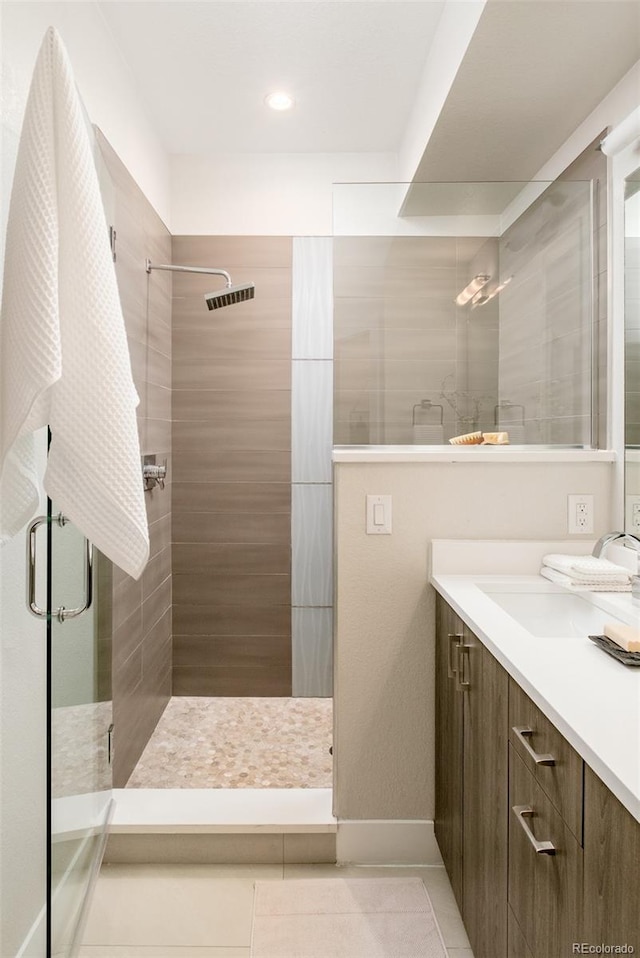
(279, 101)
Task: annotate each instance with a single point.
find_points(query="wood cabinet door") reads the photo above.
(448, 771)
(545, 890)
(485, 779)
(516, 945)
(611, 869)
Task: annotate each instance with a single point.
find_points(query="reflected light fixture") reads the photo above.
(482, 297)
(473, 287)
(279, 101)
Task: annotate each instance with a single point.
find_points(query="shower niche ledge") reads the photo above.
(469, 454)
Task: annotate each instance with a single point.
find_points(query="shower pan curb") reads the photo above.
(223, 810)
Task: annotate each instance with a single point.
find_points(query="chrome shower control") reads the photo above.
(153, 473)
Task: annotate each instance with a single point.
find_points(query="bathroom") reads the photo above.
(383, 776)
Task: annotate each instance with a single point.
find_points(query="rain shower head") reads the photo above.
(226, 296)
(229, 295)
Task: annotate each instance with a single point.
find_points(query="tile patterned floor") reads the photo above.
(79, 735)
(184, 911)
(239, 743)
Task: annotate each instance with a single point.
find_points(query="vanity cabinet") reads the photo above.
(449, 702)
(508, 783)
(545, 868)
(545, 832)
(471, 798)
(611, 868)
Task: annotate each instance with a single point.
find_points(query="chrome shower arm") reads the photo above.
(189, 269)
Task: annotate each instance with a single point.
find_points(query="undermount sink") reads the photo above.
(551, 614)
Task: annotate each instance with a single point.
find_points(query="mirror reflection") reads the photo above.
(632, 351)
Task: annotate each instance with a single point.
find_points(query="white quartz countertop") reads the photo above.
(590, 697)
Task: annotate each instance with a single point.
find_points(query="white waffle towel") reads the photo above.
(64, 359)
(587, 568)
(595, 586)
(429, 435)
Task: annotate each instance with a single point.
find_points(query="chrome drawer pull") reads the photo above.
(457, 638)
(463, 653)
(523, 812)
(524, 732)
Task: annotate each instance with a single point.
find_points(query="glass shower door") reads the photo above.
(80, 726)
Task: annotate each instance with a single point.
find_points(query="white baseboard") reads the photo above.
(387, 842)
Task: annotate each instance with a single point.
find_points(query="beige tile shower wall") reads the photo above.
(232, 471)
(141, 611)
(385, 609)
(592, 165)
(400, 338)
(552, 307)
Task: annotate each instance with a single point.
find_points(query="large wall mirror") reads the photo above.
(632, 350)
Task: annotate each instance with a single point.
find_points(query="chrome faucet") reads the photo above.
(610, 537)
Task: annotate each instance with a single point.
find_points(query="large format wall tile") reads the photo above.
(312, 426)
(234, 497)
(312, 651)
(141, 613)
(312, 527)
(232, 473)
(312, 307)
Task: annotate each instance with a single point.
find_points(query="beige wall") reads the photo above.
(384, 632)
(141, 612)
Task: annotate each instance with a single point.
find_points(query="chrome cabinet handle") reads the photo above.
(61, 613)
(524, 732)
(463, 655)
(522, 812)
(454, 637)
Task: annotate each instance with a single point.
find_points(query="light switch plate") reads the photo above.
(378, 515)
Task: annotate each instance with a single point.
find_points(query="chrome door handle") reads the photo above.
(32, 605)
(524, 732)
(463, 655)
(457, 638)
(522, 812)
(62, 613)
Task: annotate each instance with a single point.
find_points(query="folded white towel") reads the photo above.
(64, 359)
(587, 568)
(561, 579)
(429, 435)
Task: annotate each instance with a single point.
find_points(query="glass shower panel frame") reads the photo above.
(80, 716)
(23, 752)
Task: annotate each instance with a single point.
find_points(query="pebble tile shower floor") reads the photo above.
(239, 743)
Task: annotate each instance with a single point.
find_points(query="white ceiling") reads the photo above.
(533, 71)
(204, 68)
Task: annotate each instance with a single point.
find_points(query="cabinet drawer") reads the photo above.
(546, 753)
(545, 888)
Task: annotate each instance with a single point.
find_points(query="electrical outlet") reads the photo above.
(632, 514)
(580, 515)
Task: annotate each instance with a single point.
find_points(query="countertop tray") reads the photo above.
(607, 645)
